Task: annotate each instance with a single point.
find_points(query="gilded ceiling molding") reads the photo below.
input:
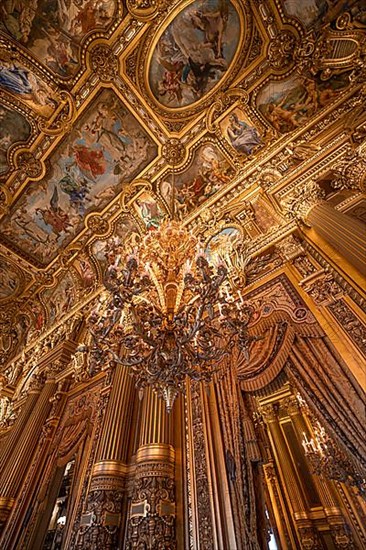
(103, 62)
(31, 166)
(147, 10)
(132, 190)
(65, 118)
(281, 50)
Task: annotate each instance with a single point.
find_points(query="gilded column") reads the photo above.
(332, 511)
(16, 467)
(344, 233)
(101, 521)
(289, 481)
(11, 439)
(151, 522)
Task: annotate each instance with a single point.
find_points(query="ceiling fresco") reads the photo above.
(194, 52)
(106, 148)
(107, 107)
(53, 30)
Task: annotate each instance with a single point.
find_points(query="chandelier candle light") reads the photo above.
(167, 313)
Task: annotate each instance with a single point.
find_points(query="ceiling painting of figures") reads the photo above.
(23, 84)
(306, 11)
(292, 102)
(208, 172)
(241, 134)
(61, 298)
(106, 149)
(219, 245)
(126, 232)
(150, 211)
(194, 52)
(9, 279)
(13, 129)
(53, 29)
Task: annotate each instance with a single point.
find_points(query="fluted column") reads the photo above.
(325, 488)
(344, 233)
(7, 446)
(16, 466)
(289, 481)
(152, 513)
(101, 520)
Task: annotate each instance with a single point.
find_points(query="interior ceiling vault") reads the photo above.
(101, 101)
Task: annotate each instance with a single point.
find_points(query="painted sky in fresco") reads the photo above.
(106, 149)
(194, 52)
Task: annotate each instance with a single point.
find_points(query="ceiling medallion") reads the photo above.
(167, 313)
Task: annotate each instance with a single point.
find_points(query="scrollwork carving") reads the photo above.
(350, 322)
(104, 62)
(146, 10)
(152, 514)
(323, 289)
(309, 538)
(100, 523)
(173, 151)
(29, 164)
(202, 483)
(97, 225)
(281, 50)
(63, 122)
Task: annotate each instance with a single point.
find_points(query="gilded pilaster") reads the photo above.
(344, 233)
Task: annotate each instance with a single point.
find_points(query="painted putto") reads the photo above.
(106, 149)
(194, 52)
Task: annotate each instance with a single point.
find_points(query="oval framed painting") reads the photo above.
(192, 54)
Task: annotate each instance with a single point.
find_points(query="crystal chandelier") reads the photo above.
(167, 313)
(328, 460)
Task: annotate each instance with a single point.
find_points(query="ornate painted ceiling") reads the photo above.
(105, 105)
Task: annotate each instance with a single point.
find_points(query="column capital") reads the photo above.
(302, 200)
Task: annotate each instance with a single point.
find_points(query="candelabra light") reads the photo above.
(329, 460)
(167, 313)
